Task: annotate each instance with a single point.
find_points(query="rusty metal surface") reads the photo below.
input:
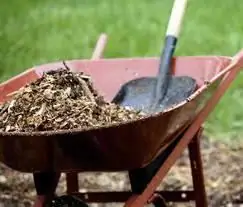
(111, 148)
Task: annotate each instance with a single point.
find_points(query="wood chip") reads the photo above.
(61, 99)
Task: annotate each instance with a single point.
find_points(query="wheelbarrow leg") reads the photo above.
(72, 183)
(197, 171)
(139, 178)
(45, 184)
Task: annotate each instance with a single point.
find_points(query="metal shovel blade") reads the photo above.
(138, 93)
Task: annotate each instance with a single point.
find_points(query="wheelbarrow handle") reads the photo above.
(100, 47)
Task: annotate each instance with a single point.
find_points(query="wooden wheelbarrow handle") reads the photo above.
(100, 47)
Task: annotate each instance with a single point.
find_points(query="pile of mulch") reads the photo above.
(223, 169)
(60, 100)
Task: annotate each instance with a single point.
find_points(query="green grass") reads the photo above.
(35, 32)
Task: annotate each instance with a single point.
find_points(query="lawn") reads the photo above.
(35, 32)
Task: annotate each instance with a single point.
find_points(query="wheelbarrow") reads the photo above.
(146, 148)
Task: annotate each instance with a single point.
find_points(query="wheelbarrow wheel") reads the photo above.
(67, 201)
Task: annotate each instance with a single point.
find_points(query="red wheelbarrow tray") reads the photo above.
(120, 147)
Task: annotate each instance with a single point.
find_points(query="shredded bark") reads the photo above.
(61, 99)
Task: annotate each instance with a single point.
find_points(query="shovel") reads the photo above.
(155, 94)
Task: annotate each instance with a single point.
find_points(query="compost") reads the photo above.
(61, 99)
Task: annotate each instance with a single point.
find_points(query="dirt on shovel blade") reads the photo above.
(60, 100)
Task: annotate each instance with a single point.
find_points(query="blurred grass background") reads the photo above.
(35, 32)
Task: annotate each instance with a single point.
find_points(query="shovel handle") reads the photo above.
(176, 17)
(173, 30)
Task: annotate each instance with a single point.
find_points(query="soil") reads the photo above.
(60, 100)
(223, 169)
